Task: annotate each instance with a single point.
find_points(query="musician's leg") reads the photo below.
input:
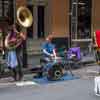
(14, 74)
(97, 54)
(98, 57)
(19, 67)
(20, 72)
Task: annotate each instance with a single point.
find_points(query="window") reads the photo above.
(80, 21)
(84, 19)
(6, 10)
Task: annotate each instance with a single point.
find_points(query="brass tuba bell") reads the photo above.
(24, 17)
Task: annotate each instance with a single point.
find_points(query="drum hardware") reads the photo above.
(58, 74)
(55, 72)
(55, 68)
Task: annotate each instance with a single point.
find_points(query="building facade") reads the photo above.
(49, 16)
(77, 19)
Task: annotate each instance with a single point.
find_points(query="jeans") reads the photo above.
(18, 73)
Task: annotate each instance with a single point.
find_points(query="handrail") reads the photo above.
(82, 40)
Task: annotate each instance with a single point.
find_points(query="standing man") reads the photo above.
(19, 52)
(14, 41)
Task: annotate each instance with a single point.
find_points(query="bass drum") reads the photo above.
(55, 72)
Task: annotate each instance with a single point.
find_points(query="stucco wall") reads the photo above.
(21, 2)
(56, 16)
(59, 18)
(95, 15)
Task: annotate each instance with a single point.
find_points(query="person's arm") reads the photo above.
(47, 53)
(6, 41)
(94, 40)
(54, 53)
(44, 46)
(1, 42)
(23, 35)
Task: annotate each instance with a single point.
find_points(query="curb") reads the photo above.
(28, 70)
(88, 62)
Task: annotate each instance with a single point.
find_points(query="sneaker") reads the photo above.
(39, 75)
(97, 94)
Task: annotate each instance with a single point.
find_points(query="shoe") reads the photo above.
(20, 78)
(39, 75)
(98, 62)
(15, 77)
(97, 94)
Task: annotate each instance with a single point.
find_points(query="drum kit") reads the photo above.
(57, 67)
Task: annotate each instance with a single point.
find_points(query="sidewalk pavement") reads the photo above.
(86, 72)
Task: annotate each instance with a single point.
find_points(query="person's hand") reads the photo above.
(23, 35)
(65, 51)
(1, 48)
(95, 46)
(52, 55)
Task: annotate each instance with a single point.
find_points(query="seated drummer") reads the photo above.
(48, 51)
(48, 48)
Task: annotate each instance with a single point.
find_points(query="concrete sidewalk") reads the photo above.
(85, 72)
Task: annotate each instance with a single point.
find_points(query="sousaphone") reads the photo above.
(24, 19)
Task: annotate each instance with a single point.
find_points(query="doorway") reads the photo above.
(40, 21)
(80, 24)
(80, 19)
(30, 29)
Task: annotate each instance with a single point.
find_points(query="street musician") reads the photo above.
(13, 44)
(97, 49)
(97, 45)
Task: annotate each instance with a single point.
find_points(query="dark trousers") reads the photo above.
(18, 73)
(98, 56)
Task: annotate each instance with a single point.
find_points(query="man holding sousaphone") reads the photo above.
(15, 41)
(13, 44)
